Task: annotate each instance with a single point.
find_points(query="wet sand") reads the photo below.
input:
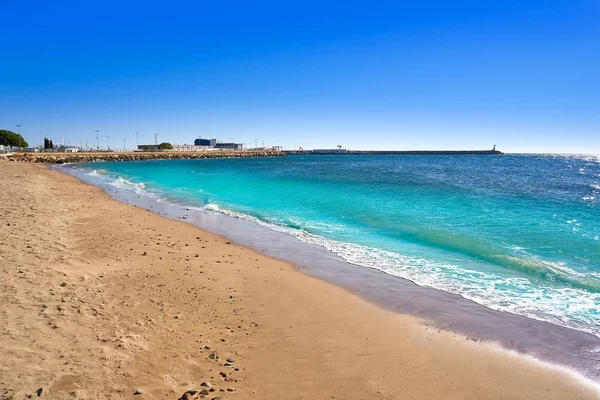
(102, 299)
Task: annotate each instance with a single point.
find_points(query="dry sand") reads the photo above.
(100, 299)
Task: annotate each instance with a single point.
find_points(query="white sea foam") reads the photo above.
(126, 185)
(96, 172)
(123, 183)
(211, 207)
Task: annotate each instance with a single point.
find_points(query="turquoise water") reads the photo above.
(518, 233)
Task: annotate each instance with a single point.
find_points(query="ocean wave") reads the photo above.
(212, 207)
(123, 183)
(549, 271)
(516, 260)
(103, 177)
(97, 172)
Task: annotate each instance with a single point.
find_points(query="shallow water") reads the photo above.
(517, 233)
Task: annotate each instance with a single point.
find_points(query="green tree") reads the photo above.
(9, 138)
(165, 146)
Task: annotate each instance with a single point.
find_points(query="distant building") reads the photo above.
(205, 142)
(229, 146)
(179, 148)
(71, 149)
(214, 144)
(199, 145)
(30, 150)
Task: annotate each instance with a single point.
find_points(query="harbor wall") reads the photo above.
(63, 158)
(397, 152)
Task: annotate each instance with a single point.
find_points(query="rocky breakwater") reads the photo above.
(63, 158)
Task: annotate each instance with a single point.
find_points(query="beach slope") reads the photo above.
(100, 299)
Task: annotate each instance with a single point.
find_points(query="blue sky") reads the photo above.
(524, 75)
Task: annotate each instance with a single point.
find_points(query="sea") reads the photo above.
(514, 233)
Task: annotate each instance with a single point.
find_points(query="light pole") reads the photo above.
(156, 138)
(232, 144)
(19, 133)
(97, 141)
(107, 143)
(256, 143)
(137, 142)
(123, 145)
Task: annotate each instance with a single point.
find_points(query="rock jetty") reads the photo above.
(63, 158)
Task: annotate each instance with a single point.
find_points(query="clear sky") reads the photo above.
(524, 75)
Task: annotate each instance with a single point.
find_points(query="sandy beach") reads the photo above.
(101, 299)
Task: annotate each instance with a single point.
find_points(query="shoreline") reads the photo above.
(143, 297)
(544, 340)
